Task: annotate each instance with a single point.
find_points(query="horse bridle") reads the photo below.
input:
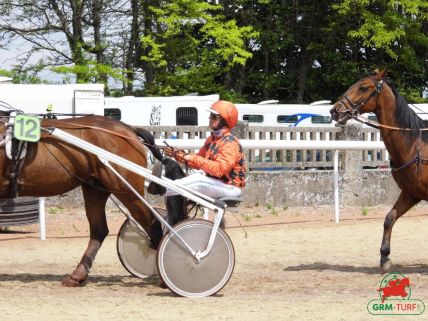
(353, 109)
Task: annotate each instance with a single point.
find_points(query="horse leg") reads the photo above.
(401, 206)
(139, 211)
(95, 202)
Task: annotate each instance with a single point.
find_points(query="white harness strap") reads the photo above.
(22, 146)
(7, 140)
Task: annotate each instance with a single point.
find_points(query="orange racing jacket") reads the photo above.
(221, 157)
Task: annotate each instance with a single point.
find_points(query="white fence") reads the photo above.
(268, 156)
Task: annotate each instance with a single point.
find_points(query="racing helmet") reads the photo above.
(227, 111)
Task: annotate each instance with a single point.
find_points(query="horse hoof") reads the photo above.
(71, 282)
(386, 267)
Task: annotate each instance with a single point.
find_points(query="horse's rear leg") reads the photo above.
(401, 206)
(95, 202)
(143, 216)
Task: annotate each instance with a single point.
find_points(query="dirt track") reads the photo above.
(301, 267)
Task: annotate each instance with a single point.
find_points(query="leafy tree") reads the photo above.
(193, 47)
(246, 50)
(312, 50)
(393, 34)
(293, 52)
(61, 33)
(20, 76)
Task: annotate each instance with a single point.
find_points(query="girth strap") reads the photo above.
(409, 163)
(415, 160)
(16, 165)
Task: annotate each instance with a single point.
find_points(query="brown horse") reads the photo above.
(406, 142)
(53, 167)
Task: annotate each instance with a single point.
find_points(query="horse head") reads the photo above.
(360, 98)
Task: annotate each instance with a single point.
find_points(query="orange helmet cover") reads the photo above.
(227, 111)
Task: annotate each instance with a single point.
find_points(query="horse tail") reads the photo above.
(150, 140)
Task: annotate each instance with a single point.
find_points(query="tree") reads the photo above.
(67, 34)
(393, 34)
(246, 50)
(311, 50)
(290, 54)
(20, 76)
(192, 47)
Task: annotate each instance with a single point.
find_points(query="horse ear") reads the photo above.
(382, 73)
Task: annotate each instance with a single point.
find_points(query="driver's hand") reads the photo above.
(179, 156)
(170, 151)
(175, 153)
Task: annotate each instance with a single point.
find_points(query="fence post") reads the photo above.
(350, 167)
(42, 218)
(241, 131)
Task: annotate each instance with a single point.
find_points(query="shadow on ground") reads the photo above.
(405, 269)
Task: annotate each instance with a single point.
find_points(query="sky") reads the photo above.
(8, 59)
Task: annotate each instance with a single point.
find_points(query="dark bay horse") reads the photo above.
(53, 167)
(406, 142)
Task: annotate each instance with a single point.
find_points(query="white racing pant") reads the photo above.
(206, 185)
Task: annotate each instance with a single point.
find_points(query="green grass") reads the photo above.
(246, 218)
(273, 211)
(55, 210)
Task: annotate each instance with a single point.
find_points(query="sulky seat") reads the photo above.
(231, 201)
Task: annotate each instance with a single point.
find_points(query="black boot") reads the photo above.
(155, 234)
(154, 188)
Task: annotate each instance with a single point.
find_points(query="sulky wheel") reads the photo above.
(134, 252)
(180, 271)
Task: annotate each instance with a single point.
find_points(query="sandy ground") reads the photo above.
(291, 264)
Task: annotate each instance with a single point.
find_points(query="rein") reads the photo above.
(106, 131)
(76, 126)
(377, 125)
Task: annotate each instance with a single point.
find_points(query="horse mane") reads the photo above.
(149, 139)
(406, 117)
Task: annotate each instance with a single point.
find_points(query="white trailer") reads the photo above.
(192, 110)
(163, 111)
(67, 99)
